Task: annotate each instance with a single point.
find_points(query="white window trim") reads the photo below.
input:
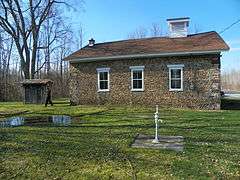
(175, 66)
(99, 70)
(137, 68)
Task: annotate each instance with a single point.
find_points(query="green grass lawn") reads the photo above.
(98, 146)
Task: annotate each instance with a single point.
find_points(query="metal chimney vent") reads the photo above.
(91, 42)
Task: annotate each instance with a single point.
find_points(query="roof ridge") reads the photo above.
(148, 38)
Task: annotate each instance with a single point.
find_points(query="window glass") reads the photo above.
(103, 85)
(103, 75)
(175, 73)
(175, 84)
(137, 84)
(176, 79)
(103, 80)
(137, 79)
(137, 74)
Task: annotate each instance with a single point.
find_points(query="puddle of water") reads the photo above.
(36, 121)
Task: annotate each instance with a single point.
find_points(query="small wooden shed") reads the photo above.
(35, 90)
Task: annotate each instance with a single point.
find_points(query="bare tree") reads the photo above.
(140, 32)
(64, 49)
(53, 31)
(23, 20)
(80, 38)
(6, 48)
(197, 28)
(231, 80)
(156, 30)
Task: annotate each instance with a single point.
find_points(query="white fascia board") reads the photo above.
(77, 60)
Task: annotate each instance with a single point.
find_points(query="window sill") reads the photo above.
(177, 90)
(105, 90)
(137, 90)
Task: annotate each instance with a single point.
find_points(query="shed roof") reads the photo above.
(36, 81)
(202, 42)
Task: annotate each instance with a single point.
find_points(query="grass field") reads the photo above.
(98, 146)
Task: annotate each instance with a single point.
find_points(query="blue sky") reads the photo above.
(110, 20)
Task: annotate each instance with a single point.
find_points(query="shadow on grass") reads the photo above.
(100, 126)
(61, 147)
(230, 104)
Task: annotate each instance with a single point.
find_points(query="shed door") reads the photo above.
(39, 94)
(27, 95)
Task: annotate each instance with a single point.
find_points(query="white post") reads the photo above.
(156, 116)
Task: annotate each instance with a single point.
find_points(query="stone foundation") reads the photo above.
(175, 143)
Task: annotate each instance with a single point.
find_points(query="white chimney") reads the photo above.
(178, 27)
(91, 42)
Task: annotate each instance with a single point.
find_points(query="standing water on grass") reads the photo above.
(36, 121)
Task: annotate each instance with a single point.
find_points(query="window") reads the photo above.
(103, 79)
(175, 77)
(137, 78)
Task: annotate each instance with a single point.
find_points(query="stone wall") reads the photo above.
(201, 82)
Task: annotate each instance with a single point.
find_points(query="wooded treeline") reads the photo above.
(34, 38)
(231, 81)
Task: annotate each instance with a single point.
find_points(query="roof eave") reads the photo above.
(77, 60)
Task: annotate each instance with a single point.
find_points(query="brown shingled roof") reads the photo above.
(209, 41)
